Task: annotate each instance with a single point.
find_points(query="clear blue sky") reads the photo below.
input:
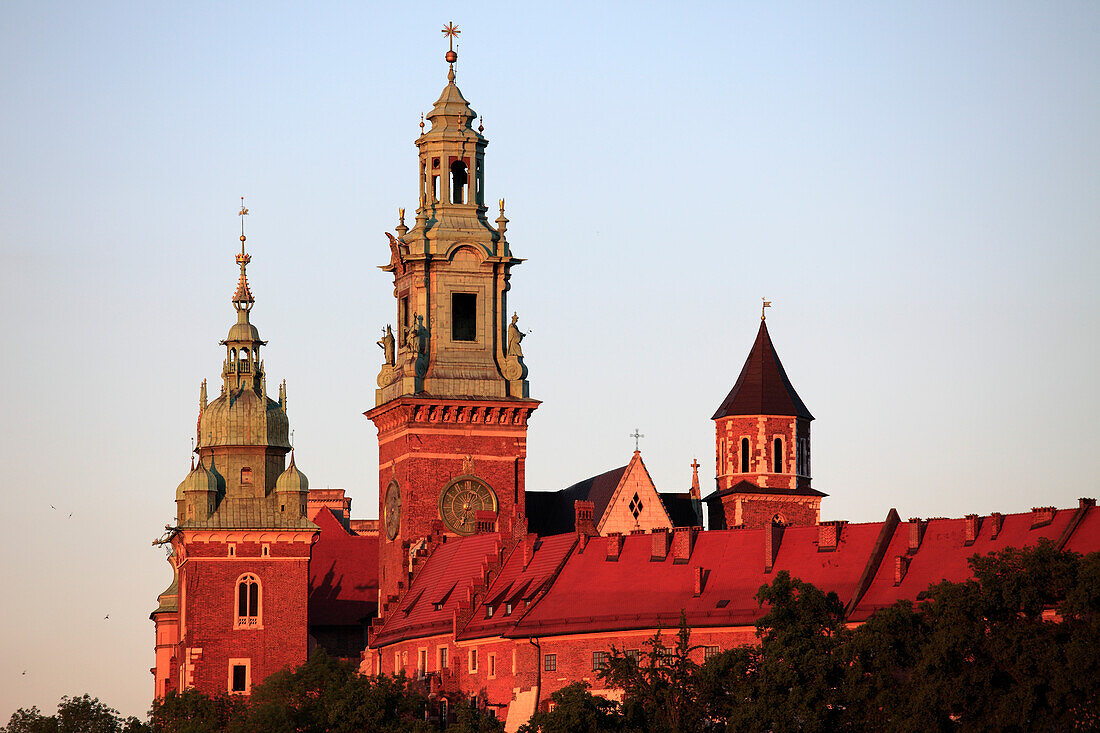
(914, 187)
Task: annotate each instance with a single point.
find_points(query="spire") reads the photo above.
(242, 299)
(763, 387)
(695, 478)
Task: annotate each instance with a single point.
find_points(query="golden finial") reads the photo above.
(421, 123)
(242, 213)
(481, 124)
(766, 304)
(401, 216)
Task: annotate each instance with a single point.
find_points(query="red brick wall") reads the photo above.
(424, 453)
(208, 578)
(758, 511)
(574, 658)
(761, 431)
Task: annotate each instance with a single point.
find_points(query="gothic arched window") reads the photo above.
(248, 602)
(777, 456)
(744, 455)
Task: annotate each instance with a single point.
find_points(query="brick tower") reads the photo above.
(236, 609)
(762, 448)
(452, 402)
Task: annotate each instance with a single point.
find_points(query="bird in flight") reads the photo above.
(52, 506)
(107, 617)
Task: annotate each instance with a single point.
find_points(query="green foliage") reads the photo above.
(576, 710)
(193, 712)
(658, 684)
(84, 714)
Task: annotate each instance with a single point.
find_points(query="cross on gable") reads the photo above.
(636, 435)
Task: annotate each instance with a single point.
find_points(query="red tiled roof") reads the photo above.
(446, 577)
(516, 584)
(343, 574)
(943, 553)
(763, 387)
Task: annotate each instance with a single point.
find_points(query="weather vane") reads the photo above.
(242, 213)
(451, 31)
(766, 304)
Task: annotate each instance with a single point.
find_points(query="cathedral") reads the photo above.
(488, 591)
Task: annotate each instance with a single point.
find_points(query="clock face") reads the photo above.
(391, 509)
(461, 500)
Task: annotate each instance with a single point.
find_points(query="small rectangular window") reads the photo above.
(492, 665)
(266, 550)
(421, 662)
(473, 660)
(239, 677)
(599, 660)
(633, 653)
(463, 316)
(551, 662)
(443, 657)
(710, 652)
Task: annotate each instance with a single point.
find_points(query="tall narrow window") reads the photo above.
(404, 317)
(744, 455)
(248, 602)
(777, 455)
(463, 316)
(458, 182)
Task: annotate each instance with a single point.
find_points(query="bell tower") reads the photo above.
(453, 401)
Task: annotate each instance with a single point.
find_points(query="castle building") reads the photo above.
(469, 580)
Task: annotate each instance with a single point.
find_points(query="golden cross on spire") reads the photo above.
(766, 304)
(451, 31)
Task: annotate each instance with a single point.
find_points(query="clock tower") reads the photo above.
(452, 403)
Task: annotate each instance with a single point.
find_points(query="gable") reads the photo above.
(635, 503)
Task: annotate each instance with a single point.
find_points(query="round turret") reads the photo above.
(199, 479)
(292, 479)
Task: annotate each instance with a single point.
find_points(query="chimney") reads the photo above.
(614, 546)
(973, 526)
(901, 567)
(660, 545)
(916, 533)
(519, 528)
(683, 541)
(828, 535)
(700, 580)
(528, 549)
(996, 520)
(773, 537)
(486, 521)
(583, 521)
(1084, 503)
(1041, 516)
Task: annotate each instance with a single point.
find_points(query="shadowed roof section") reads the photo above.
(551, 512)
(763, 387)
(343, 575)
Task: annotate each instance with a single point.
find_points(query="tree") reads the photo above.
(576, 710)
(658, 685)
(84, 714)
(193, 712)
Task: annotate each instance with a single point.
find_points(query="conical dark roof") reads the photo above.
(763, 387)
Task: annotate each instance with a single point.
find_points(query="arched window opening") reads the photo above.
(443, 712)
(246, 475)
(744, 455)
(248, 601)
(459, 179)
(777, 456)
